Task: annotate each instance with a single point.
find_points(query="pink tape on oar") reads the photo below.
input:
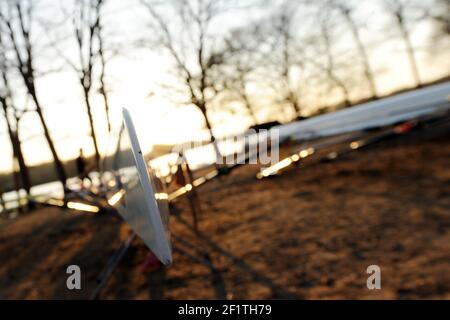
(404, 127)
(151, 263)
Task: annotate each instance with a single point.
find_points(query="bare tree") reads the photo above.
(289, 56)
(242, 59)
(86, 27)
(103, 61)
(92, 57)
(398, 9)
(16, 20)
(329, 66)
(195, 50)
(235, 89)
(12, 116)
(278, 63)
(345, 9)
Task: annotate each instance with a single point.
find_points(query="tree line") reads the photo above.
(224, 53)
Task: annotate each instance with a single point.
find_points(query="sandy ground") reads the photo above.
(309, 233)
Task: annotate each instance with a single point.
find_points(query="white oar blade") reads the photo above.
(136, 194)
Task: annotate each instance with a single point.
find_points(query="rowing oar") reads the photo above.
(111, 265)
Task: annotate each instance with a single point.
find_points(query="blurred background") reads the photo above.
(186, 66)
(193, 70)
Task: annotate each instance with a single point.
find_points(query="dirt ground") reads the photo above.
(309, 233)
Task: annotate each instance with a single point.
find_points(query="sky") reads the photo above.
(134, 78)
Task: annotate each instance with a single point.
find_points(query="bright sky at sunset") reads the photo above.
(137, 73)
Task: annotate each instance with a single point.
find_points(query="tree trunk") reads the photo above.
(102, 83)
(106, 103)
(91, 124)
(24, 172)
(362, 52)
(249, 109)
(330, 68)
(16, 180)
(16, 144)
(296, 106)
(251, 113)
(219, 157)
(346, 96)
(292, 98)
(23, 168)
(24, 180)
(60, 171)
(411, 56)
(344, 90)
